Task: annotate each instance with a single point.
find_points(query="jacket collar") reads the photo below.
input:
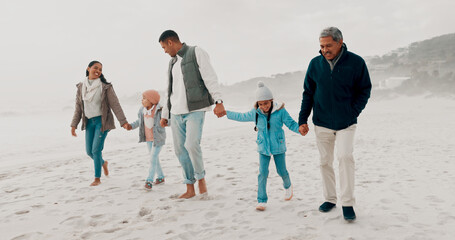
(103, 85)
(276, 106)
(183, 50)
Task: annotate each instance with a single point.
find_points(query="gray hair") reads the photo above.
(333, 32)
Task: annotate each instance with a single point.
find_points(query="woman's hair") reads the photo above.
(102, 78)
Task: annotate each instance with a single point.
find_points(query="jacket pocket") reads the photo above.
(261, 143)
(279, 143)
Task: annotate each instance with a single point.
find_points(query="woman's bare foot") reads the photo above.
(202, 186)
(96, 182)
(106, 171)
(189, 192)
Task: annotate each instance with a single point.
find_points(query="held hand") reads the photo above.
(73, 131)
(127, 126)
(303, 129)
(163, 122)
(219, 110)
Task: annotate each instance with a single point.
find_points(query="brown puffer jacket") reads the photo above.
(109, 101)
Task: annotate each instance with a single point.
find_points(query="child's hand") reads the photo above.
(219, 110)
(127, 126)
(303, 129)
(163, 122)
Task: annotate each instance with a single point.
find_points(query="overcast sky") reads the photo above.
(47, 44)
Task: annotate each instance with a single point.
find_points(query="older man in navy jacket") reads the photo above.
(337, 87)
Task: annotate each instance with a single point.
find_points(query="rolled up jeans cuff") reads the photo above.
(199, 176)
(187, 181)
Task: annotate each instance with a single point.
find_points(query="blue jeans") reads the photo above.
(94, 142)
(187, 133)
(155, 165)
(280, 163)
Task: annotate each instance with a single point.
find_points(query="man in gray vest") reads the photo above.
(193, 88)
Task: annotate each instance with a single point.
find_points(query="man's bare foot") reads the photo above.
(189, 192)
(106, 171)
(202, 186)
(96, 182)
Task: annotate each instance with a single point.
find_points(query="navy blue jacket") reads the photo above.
(337, 97)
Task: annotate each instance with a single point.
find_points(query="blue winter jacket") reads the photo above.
(270, 141)
(337, 97)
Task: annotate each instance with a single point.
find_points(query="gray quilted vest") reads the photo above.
(197, 95)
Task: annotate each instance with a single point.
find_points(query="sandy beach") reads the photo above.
(405, 157)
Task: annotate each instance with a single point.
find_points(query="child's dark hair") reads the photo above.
(268, 117)
(102, 78)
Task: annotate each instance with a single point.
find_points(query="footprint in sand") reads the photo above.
(206, 225)
(259, 230)
(331, 219)
(34, 235)
(22, 212)
(386, 201)
(111, 230)
(288, 208)
(188, 226)
(96, 216)
(211, 215)
(434, 199)
(38, 206)
(73, 221)
(218, 205)
(86, 235)
(302, 214)
(174, 196)
(12, 190)
(74, 200)
(403, 218)
(4, 175)
(144, 211)
(164, 208)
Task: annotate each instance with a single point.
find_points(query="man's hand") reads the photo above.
(303, 129)
(163, 122)
(219, 110)
(73, 131)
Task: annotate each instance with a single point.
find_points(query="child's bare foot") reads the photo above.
(202, 186)
(106, 171)
(96, 182)
(189, 192)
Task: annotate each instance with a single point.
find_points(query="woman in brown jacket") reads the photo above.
(95, 99)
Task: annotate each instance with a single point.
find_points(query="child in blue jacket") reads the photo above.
(269, 117)
(150, 131)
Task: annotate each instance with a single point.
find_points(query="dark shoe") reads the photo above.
(348, 214)
(326, 206)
